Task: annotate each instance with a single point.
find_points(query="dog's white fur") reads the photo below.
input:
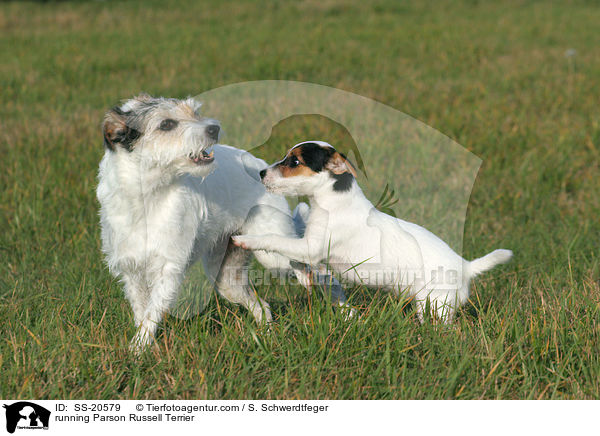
(367, 246)
(160, 211)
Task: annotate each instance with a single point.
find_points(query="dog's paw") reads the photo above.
(248, 242)
(140, 342)
(348, 312)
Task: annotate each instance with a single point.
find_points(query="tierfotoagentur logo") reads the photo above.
(396, 157)
(25, 415)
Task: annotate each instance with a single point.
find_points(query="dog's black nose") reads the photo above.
(263, 173)
(213, 131)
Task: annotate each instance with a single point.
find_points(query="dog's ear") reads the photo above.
(116, 130)
(338, 164)
(194, 104)
(143, 97)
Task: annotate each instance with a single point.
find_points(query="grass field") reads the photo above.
(493, 76)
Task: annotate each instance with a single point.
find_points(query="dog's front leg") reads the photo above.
(308, 251)
(305, 250)
(163, 285)
(137, 294)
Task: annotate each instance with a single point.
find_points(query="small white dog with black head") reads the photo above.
(361, 243)
(166, 203)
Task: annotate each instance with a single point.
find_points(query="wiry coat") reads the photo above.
(164, 204)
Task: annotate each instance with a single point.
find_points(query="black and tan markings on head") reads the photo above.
(122, 127)
(309, 158)
(117, 130)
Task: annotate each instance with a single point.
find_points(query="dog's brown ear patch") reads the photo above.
(338, 164)
(116, 131)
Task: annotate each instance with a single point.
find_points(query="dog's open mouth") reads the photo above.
(202, 158)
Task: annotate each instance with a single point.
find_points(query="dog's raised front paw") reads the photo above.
(247, 242)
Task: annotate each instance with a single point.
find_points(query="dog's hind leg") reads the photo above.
(440, 306)
(232, 284)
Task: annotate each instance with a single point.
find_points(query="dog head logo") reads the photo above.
(403, 156)
(26, 415)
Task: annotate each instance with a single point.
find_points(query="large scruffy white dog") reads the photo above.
(361, 243)
(166, 203)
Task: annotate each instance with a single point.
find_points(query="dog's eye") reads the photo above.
(168, 124)
(294, 162)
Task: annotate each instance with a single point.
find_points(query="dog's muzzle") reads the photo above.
(202, 158)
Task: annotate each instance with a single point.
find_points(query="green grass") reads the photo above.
(493, 77)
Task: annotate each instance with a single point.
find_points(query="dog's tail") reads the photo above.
(489, 261)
